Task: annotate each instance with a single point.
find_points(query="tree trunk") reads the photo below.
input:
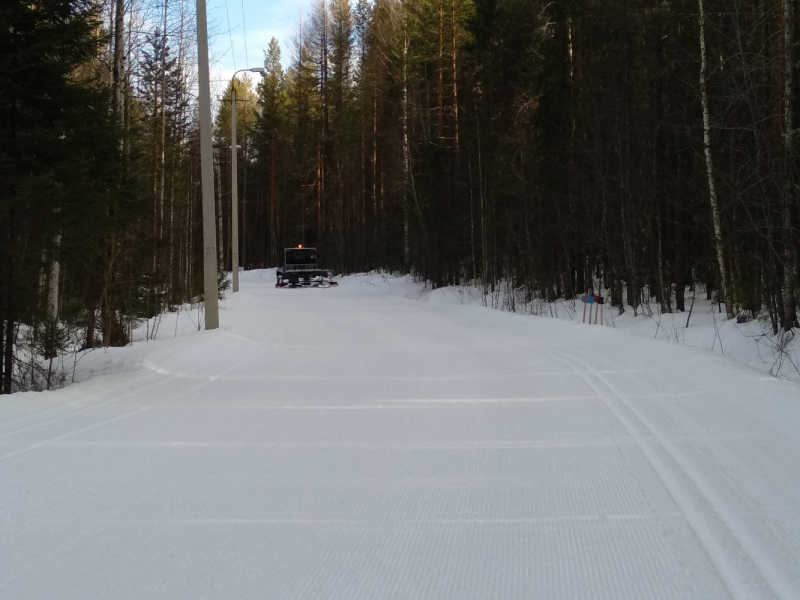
(320, 195)
(789, 245)
(440, 85)
(375, 220)
(363, 217)
(119, 56)
(725, 285)
(455, 82)
(406, 158)
(91, 316)
(163, 134)
(53, 282)
(10, 337)
(273, 195)
(220, 238)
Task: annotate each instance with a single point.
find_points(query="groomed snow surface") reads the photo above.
(349, 443)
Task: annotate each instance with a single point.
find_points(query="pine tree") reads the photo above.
(59, 162)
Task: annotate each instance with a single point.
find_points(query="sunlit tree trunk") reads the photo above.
(406, 150)
(455, 81)
(440, 83)
(119, 57)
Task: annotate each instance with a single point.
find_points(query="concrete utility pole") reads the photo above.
(235, 182)
(207, 170)
(234, 193)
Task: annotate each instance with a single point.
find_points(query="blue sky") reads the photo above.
(255, 20)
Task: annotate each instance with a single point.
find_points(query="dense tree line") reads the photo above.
(560, 146)
(645, 148)
(98, 165)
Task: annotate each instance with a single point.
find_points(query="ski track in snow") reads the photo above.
(353, 443)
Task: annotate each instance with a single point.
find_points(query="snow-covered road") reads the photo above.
(351, 443)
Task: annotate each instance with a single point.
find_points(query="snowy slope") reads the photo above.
(349, 443)
(702, 325)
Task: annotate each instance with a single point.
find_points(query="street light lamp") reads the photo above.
(235, 182)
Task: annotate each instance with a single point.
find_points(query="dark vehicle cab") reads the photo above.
(300, 268)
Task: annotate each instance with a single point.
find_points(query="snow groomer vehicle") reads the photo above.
(300, 269)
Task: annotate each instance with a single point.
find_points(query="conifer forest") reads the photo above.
(647, 149)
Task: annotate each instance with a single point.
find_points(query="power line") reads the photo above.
(244, 31)
(230, 34)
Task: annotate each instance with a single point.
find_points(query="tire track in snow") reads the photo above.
(97, 425)
(741, 585)
(747, 484)
(300, 522)
(65, 412)
(713, 541)
(763, 498)
(86, 532)
(77, 411)
(68, 411)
